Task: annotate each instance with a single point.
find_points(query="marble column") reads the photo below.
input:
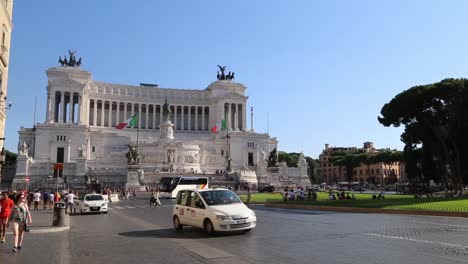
(62, 106)
(229, 121)
(196, 118)
(182, 125)
(175, 118)
(53, 106)
(117, 118)
(48, 108)
(72, 111)
(146, 116)
(203, 118)
(244, 117)
(160, 115)
(125, 111)
(189, 118)
(94, 112)
(154, 116)
(236, 117)
(139, 116)
(103, 111)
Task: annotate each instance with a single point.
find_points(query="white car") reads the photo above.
(215, 210)
(92, 203)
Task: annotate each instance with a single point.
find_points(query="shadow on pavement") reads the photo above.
(186, 233)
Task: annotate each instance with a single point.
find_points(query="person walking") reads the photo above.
(134, 194)
(45, 199)
(70, 200)
(37, 199)
(7, 204)
(19, 218)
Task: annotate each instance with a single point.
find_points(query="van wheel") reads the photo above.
(209, 227)
(177, 225)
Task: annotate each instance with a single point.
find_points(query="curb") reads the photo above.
(45, 230)
(367, 210)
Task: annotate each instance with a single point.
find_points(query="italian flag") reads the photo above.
(132, 122)
(219, 126)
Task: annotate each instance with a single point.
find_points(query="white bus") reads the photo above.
(170, 186)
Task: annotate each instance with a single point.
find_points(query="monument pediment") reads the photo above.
(233, 95)
(69, 83)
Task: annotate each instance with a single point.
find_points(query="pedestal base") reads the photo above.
(133, 178)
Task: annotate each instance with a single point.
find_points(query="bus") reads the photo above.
(170, 186)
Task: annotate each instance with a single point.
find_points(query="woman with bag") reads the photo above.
(19, 217)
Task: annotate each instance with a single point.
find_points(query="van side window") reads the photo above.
(194, 201)
(181, 196)
(185, 198)
(190, 197)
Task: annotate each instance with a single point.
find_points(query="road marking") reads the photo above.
(119, 207)
(204, 250)
(422, 241)
(431, 223)
(129, 207)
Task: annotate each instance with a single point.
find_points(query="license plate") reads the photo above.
(241, 221)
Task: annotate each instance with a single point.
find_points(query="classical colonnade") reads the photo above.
(65, 107)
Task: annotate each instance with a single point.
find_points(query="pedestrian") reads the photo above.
(134, 194)
(45, 199)
(248, 195)
(128, 195)
(158, 202)
(70, 197)
(37, 199)
(19, 218)
(7, 204)
(51, 200)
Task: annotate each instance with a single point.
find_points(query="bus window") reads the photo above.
(188, 181)
(202, 181)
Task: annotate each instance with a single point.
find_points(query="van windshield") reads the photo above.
(220, 197)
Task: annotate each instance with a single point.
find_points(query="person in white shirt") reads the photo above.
(36, 200)
(70, 197)
(51, 200)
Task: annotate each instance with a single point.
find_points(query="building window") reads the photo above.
(222, 152)
(61, 138)
(94, 149)
(377, 171)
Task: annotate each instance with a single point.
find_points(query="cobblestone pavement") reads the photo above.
(133, 232)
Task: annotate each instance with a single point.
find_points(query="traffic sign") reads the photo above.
(58, 166)
(26, 179)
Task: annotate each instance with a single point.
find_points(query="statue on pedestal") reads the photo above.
(23, 149)
(166, 111)
(133, 158)
(82, 151)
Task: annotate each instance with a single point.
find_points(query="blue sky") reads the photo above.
(321, 70)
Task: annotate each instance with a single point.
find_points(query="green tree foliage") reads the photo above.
(436, 120)
(292, 159)
(273, 158)
(348, 160)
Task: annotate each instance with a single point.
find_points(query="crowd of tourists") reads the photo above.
(299, 193)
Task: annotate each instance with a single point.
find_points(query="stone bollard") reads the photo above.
(60, 218)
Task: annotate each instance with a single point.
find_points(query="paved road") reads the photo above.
(134, 233)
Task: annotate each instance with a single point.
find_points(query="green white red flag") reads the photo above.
(132, 122)
(219, 126)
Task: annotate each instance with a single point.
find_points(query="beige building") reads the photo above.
(6, 14)
(364, 174)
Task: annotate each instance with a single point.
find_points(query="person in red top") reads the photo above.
(6, 204)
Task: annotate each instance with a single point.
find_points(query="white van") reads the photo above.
(215, 210)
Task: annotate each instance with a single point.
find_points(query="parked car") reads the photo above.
(91, 203)
(214, 210)
(267, 188)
